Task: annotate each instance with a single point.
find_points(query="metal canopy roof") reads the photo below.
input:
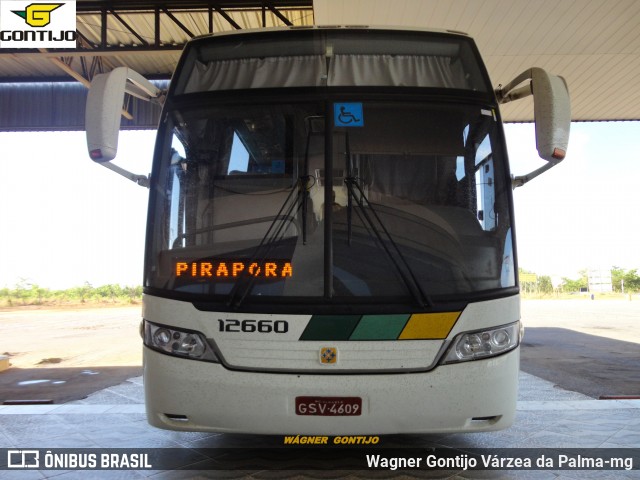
(595, 45)
(146, 35)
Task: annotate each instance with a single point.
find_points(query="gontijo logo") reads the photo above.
(38, 14)
(37, 25)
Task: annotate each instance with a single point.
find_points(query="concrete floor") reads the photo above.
(547, 417)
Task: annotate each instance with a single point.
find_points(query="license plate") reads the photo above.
(329, 406)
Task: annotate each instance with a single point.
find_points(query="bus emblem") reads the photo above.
(328, 355)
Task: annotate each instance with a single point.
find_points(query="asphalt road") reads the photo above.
(591, 347)
(583, 345)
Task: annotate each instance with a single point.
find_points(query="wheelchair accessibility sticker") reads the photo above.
(348, 115)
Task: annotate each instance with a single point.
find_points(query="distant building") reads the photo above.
(600, 280)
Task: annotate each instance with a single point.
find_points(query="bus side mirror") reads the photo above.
(552, 110)
(103, 112)
(552, 113)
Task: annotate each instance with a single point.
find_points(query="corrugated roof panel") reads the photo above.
(67, 105)
(142, 24)
(171, 33)
(26, 66)
(149, 63)
(39, 106)
(196, 22)
(60, 106)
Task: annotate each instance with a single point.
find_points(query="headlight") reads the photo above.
(180, 343)
(483, 344)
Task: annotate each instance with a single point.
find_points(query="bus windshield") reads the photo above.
(365, 201)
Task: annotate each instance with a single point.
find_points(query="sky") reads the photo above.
(585, 212)
(64, 220)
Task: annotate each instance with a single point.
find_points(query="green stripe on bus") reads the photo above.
(330, 327)
(379, 327)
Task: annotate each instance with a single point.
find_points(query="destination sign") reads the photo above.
(233, 268)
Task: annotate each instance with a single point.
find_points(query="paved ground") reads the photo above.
(588, 364)
(616, 319)
(591, 347)
(69, 338)
(548, 416)
(59, 355)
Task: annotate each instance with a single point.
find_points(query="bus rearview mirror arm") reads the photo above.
(142, 180)
(552, 114)
(103, 111)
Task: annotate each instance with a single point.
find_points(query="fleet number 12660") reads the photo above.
(250, 326)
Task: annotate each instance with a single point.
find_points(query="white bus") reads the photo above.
(330, 241)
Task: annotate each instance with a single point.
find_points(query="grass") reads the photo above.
(579, 296)
(25, 294)
(29, 295)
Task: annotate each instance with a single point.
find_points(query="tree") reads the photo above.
(625, 280)
(575, 285)
(617, 278)
(83, 292)
(631, 281)
(544, 284)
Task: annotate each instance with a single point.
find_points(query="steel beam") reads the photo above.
(93, 43)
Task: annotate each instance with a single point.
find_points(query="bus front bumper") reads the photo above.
(190, 395)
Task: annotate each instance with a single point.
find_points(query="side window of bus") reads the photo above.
(476, 177)
(179, 176)
(239, 160)
(485, 186)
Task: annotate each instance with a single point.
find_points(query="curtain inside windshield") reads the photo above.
(316, 71)
(330, 58)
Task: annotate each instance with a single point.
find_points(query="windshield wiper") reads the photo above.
(245, 282)
(406, 274)
(244, 285)
(381, 234)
